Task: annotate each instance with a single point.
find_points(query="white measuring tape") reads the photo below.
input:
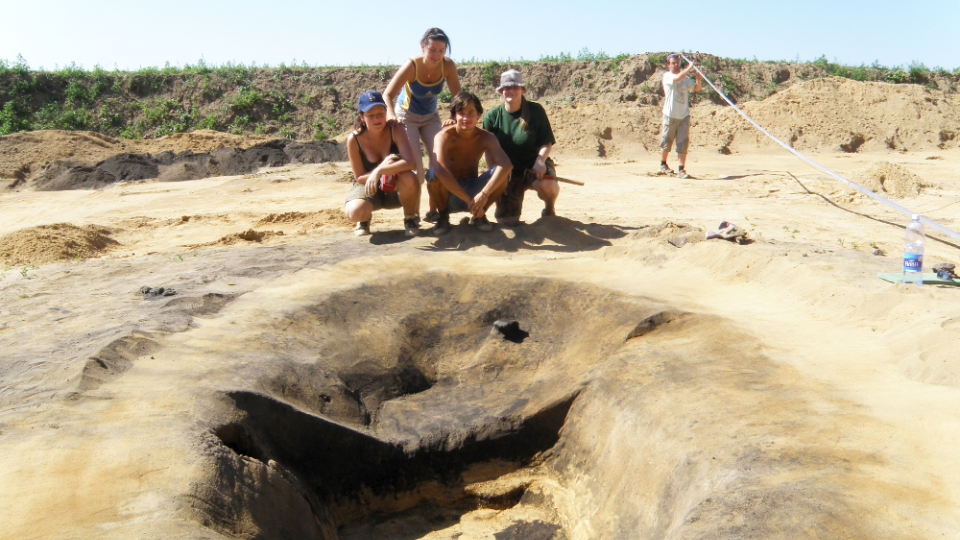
(814, 164)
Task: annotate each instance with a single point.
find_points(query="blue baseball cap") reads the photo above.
(369, 100)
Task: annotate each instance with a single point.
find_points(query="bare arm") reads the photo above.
(453, 80)
(498, 158)
(404, 161)
(356, 163)
(540, 165)
(403, 75)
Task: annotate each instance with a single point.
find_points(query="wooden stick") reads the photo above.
(565, 180)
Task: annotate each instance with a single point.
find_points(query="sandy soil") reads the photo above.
(777, 389)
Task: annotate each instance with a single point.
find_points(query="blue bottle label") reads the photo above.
(912, 262)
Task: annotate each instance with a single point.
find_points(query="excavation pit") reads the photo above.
(385, 406)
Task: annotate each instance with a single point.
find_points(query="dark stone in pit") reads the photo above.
(510, 330)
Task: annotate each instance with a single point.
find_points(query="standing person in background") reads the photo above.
(523, 131)
(417, 84)
(676, 113)
(382, 165)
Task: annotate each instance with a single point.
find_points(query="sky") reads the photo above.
(129, 35)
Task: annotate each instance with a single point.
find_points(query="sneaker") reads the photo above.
(362, 228)
(431, 216)
(411, 225)
(664, 169)
(443, 224)
(548, 212)
(683, 174)
(482, 223)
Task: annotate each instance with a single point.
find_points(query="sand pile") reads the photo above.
(831, 114)
(889, 179)
(834, 114)
(250, 235)
(56, 242)
(326, 217)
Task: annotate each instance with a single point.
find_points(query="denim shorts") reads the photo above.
(471, 185)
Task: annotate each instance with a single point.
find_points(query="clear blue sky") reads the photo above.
(132, 34)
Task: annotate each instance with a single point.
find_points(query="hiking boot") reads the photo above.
(548, 212)
(664, 169)
(411, 225)
(443, 224)
(431, 216)
(362, 228)
(482, 223)
(683, 174)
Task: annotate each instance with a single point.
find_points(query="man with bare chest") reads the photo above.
(454, 182)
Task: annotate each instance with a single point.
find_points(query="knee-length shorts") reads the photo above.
(675, 129)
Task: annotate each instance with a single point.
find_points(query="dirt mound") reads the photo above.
(605, 129)
(56, 242)
(186, 165)
(887, 178)
(320, 218)
(23, 154)
(250, 235)
(669, 231)
(834, 114)
(203, 140)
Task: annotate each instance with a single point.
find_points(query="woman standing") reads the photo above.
(415, 88)
(523, 130)
(382, 164)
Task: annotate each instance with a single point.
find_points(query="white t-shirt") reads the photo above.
(676, 95)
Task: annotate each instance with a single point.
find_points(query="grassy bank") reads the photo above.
(301, 101)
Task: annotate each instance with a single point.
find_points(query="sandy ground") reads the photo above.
(799, 314)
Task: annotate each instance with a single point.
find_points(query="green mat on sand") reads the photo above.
(928, 279)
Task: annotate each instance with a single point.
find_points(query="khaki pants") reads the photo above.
(420, 128)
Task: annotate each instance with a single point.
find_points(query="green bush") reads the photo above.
(918, 73)
(245, 101)
(11, 119)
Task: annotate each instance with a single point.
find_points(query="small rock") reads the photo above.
(878, 252)
(156, 291)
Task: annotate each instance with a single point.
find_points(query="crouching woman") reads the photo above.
(383, 165)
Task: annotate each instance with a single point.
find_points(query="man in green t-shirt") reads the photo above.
(523, 131)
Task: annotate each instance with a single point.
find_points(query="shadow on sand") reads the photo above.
(554, 233)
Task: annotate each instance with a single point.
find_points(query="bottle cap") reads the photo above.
(915, 217)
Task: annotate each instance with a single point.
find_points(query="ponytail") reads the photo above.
(524, 113)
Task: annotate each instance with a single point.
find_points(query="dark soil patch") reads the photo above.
(171, 167)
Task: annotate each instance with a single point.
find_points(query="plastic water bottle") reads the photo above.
(913, 252)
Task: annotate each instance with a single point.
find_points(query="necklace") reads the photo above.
(430, 75)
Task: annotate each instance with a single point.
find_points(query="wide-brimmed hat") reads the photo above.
(510, 77)
(369, 100)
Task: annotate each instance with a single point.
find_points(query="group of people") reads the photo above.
(515, 141)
